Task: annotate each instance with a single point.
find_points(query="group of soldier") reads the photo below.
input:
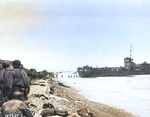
(14, 88)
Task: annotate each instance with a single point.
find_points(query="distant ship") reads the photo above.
(130, 68)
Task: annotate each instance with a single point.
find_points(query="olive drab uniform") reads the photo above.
(18, 109)
(19, 82)
(1, 85)
(1, 74)
(1, 78)
(6, 83)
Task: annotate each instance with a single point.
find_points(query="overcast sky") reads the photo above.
(61, 35)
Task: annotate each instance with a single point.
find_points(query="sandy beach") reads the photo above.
(68, 99)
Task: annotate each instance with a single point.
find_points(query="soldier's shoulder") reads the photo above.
(23, 71)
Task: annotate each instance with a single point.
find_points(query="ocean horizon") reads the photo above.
(130, 93)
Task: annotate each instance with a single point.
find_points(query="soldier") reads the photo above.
(19, 81)
(6, 84)
(1, 83)
(1, 72)
(15, 108)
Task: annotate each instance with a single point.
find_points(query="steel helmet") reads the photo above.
(6, 64)
(17, 63)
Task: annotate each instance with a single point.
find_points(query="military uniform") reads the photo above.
(4, 87)
(7, 87)
(1, 75)
(19, 82)
(1, 85)
(15, 108)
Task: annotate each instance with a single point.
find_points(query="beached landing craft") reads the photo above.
(130, 68)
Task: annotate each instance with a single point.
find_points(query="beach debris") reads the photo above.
(47, 112)
(61, 113)
(54, 116)
(41, 81)
(40, 95)
(47, 105)
(42, 84)
(74, 115)
(61, 84)
(84, 112)
(33, 105)
(52, 89)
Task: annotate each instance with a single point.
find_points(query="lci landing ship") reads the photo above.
(130, 68)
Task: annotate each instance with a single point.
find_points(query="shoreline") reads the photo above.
(98, 109)
(68, 99)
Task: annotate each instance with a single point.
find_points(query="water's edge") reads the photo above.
(129, 93)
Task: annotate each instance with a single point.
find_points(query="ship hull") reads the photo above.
(92, 73)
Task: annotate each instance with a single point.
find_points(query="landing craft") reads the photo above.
(130, 68)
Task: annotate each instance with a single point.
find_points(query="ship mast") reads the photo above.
(130, 51)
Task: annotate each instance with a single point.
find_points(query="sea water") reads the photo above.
(130, 93)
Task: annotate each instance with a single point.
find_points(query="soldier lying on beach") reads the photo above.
(15, 108)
